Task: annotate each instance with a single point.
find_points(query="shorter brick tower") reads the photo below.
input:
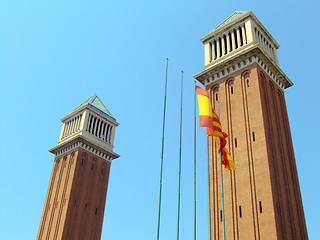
(75, 201)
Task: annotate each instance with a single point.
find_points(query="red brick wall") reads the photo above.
(266, 189)
(76, 196)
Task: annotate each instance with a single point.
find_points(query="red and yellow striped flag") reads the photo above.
(217, 131)
(209, 119)
(227, 159)
(205, 108)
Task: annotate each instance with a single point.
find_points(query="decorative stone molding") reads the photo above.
(238, 30)
(238, 41)
(253, 55)
(80, 142)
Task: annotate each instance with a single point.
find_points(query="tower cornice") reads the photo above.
(240, 58)
(80, 141)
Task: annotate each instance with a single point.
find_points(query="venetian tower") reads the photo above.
(76, 196)
(262, 196)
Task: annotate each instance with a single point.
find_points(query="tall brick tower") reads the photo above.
(262, 196)
(75, 201)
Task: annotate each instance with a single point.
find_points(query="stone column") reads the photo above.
(269, 49)
(244, 35)
(210, 51)
(79, 121)
(76, 123)
(275, 56)
(218, 48)
(257, 38)
(233, 35)
(250, 32)
(68, 128)
(264, 44)
(112, 135)
(62, 131)
(107, 132)
(228, 42)
(72, 125)
(238, 37)
(84, 120)
(223, 46)
(97, 128)
(91, 127)
(260, 40)
(272, 54)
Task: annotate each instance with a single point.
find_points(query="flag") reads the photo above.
(217, 132)
(205, 108)
(209, 119)
(227, 160)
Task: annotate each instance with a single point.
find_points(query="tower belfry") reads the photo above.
(75, 201)
(262, 196)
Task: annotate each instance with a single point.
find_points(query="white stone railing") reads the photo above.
(268, 47)
(71, 126)
(227, 42)
(99, 128)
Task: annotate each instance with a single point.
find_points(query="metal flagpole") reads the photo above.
(179, 172)
(195, 168)
(209, 188)
(222, 194)
(162, 148)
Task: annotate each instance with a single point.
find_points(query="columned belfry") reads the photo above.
(76, 196)
(262, 196)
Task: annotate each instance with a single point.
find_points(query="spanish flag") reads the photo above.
(205, 108)
(209, 119)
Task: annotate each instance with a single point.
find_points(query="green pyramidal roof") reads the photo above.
(232, 17)
(95, 102)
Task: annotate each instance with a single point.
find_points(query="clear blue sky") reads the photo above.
(56, 54)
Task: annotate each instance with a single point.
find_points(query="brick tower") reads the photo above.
(262, 196)
(75, 201)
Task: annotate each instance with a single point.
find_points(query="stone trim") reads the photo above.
(86, 145)
(241, 65)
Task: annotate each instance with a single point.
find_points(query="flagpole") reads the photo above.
(195, 168)
(162, 148)
(222, 193)
(179, 171)
(209, 188)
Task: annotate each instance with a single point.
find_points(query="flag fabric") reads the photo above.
(210, 120)
(205, 109)
(217, 131)
(227, 159)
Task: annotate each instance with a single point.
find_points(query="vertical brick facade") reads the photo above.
(75, 201)
(76, 197)
(262, 196)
